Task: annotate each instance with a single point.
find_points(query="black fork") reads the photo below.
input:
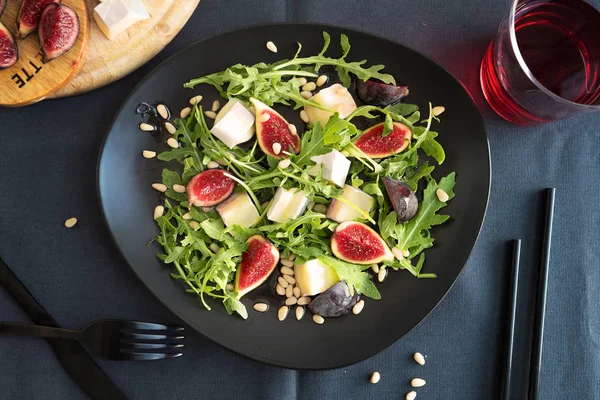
(113, 339)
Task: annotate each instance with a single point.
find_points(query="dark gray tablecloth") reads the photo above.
(48, 155)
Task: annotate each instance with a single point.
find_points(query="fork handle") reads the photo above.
(16, 329)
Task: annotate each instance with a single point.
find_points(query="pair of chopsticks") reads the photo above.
(540, 308)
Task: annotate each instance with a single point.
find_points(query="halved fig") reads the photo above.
(334, 302)
(29, 15)
(375, 145)
(379, 93)
(209, 188)
(9, 52)
(356, 243)
(273, 132)
(57, 31)
(258, 262)
(402, 197)
(2, 6)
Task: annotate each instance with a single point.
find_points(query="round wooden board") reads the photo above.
(29, 80)
(109, 60)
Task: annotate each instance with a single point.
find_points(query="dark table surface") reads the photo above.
(48, 155)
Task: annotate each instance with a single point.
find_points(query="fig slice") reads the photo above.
(209, 188)
(258, 262)
(356, 243)
(29, 15)
(379, 93)
(402, 197)
(273, 132)
(9, 52)
(375, 145)
(334, 302)
(57, 31)
(2, 6)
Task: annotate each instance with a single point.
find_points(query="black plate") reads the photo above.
(127, 199)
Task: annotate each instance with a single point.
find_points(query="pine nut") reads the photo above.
(290, 279)
(158, 211)
(397, 253)
(214, 247)
(186, 216)
(297, 292)
(195, 100)
(147, 127)
(358, 307)
(287, 271)
(318, 319)
(289, 291)
(179, 188)
(302, 81)
(172, 142)
(375, 377)
(293, 129)
(271, 46)
(229, 287)
(216, 105)
(405, 253)
(280, 290)
(310, 86)
(210, 114)
(276, 148)
(195, 225)
(263, 117)
(412, 395)
(170, 128)
(292, 257)
(437, 110)
(184, 113)
(382, 274)
(222, 162)
(290, 301)
(162, 111)
(283, 164)
(206, 209)
(304, 301)
(261, 307)
(375, 268)
(283, 282)
(310, 205)
(441, 195)
(299, 313)
(212, 165)
(148, 154)
(71, 222)
(306, 94)
(303, 116)
(417, 382)
(321, 80)
(160, 187)
(282, 313)
(287, 263)
(419, 358)
(320, 208)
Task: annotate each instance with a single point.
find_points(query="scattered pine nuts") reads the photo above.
(210, 114)
(71, 222)
(179, 188)
(148, 154)
(287, 270)
(290, 279)
(276, 148)
(397, 253)
(195, 225)
(206, 209)
(195, 100)
(375, 377)
(261, 307)
(186, 216)
(417, 382)
(306, 94)
(302, 81)
(263, 117)
(170, 128)
(412, 395)
(147, 127)
(212, 165)
(290, 301)
(282, 313)
(172, 142)
(297, 292)
(161, 188)
(321, 80)
(358, 307)
(320, 208)
(310, 86)
(158, 211)
(293, 129)
(303, 116)
(382, 274)
(419, 358)
(163, 111)
(441, 195)
(184, 113)
(289, 291)
(271, 46)
(283, 164)
(280, 290)
(214, 247)
(216, 105)
(375, 268)
(318, 319)
(304, 301)
(299, 313)
(283, 282)
(287, 263)
(437, 110)
(405, 253)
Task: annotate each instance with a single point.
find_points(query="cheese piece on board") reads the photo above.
(115, 16)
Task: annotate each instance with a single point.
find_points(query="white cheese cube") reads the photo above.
(238, 210)
(335, 97)
(115, 16)
(341, 211)
(287, 204)
(314, 277)
(335, 167)
(234, 124)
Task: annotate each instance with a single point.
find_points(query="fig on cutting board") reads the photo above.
(402, 197)
(379, 93)
(273, 132)
(356, 243)
(209, 188)
(334, 302)
(9, 53)
(29, 15)
(2, 6)
(375, 145)
(58, 30)
(258, 262)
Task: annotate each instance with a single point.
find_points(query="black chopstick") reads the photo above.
(540, 304)
(510, 325)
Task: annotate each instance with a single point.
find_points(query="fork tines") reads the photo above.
(149, 341)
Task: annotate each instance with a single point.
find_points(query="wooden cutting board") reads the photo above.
(109, 60)
(29, 80)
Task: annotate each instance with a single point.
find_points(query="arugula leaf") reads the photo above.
(311, 145)
(402, 109)
(354, 276)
